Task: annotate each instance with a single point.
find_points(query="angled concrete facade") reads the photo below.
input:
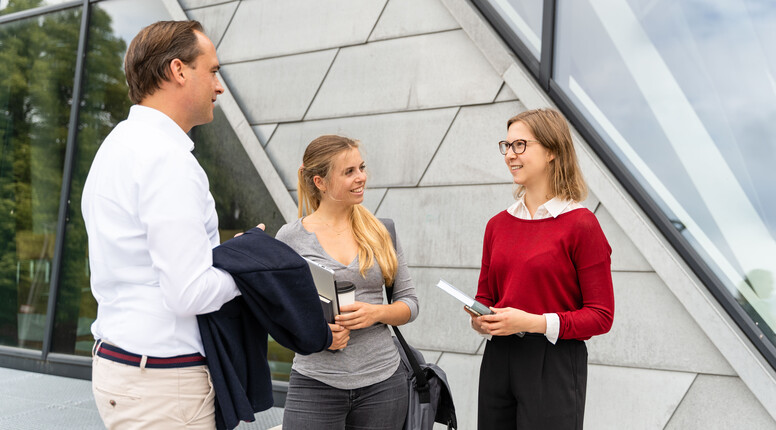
(427, 86)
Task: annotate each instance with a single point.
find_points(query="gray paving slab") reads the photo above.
(36, 401)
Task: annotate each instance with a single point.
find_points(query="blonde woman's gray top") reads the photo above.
(371, 355)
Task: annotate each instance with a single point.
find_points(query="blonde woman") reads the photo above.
(546, 274)
(362, 385)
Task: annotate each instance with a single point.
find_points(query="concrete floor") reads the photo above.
(36, 401)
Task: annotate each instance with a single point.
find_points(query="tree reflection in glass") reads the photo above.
(36, 84)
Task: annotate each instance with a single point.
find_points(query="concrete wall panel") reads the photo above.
(430, 356)
(720, 402)
(396, 147)
(652, 330)
(463, 375)
(264, 132)
(373, 197)
(269, 28)
(625, 255)
(277, 89)
(214, 19)
(634, 399)
(442, 324)
(445, 224)
(506, 94)
(428, 71)
(591, 202)
(412, 17)
(469, 153)
(190, 4)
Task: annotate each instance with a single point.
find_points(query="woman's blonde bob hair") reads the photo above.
(374, 241)
(551, 130)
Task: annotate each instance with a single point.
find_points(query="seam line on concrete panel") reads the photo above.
(634, 271)
(269, 138)
(358, 115)
(320, 85)
(408, 36)
(449, 126)
(382, 199)
(377, 21)
(229, 24)
(424, 187)
(295, 54)
(371, 42)
(481, 348)
(209, 5)
(250, 60)
(679, 405)
(503, 83)
(444, 267)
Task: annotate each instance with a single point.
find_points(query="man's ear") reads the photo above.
(177, 71)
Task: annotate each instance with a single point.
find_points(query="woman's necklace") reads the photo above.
(338, 232)
(331, 227)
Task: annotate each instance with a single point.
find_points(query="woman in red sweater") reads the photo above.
(546, 275)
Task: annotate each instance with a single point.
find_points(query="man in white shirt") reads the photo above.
(152, 224)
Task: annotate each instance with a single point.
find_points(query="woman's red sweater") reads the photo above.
(560, 265)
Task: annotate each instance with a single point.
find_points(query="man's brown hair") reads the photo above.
(150, 53)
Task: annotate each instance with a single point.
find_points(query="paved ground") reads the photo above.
(40, 402)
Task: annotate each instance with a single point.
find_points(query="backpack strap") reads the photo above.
(421, 382)
(391, 227)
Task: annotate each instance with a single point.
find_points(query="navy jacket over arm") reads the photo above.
(279, 298)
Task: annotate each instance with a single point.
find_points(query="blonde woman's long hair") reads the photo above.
(374, 241)
(552, 131)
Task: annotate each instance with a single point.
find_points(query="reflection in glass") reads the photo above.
(104, 104)
(242, 200)
(36, 78)
(524, 17)
(11, 6)
(684, 94)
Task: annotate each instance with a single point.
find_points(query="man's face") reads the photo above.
(203, 85)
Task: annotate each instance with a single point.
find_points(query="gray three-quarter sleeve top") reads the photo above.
(370, 356)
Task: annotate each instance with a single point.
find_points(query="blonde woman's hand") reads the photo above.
(261, 226)
(359, 315)
(339, 337)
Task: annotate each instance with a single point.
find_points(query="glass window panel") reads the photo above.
(37, 66)
(104, 104)
(524, 17)
(11, 6)
(684, 94)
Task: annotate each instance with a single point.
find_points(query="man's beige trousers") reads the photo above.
(131, 397)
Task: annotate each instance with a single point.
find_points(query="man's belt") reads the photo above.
(114, 353)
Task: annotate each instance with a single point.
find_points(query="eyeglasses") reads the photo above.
(518, 146)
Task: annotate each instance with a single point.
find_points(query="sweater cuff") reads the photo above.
(553, 327)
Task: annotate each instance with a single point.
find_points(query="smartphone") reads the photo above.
(478, 309)
(472, 311)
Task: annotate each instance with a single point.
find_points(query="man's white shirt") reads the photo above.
(152, 224)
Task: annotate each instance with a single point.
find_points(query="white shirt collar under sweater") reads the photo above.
(552, 208)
